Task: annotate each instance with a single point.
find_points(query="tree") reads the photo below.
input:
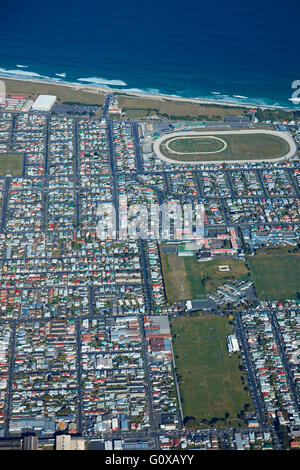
(283, 436)
(64, 411)
(215, 420)
(188, 421)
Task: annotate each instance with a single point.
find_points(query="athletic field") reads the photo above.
(210, 381)
(11, 164)
(185, 278)
(276, 277)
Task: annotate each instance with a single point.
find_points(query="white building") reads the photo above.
(104, 363)
(108, 445)
(118, 444)
(66, 442)
(232, 344)
(44, 103)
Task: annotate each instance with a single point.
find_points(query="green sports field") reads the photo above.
(185, 278)
(202, 144)
(11, 164)
(210, 381)
(276, 277)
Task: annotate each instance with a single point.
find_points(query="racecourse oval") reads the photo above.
(239, 146)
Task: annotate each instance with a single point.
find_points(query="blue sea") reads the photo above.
(231, 51)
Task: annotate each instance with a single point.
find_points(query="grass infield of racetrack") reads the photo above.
(254, 146)
(210, 381)
(196, 144)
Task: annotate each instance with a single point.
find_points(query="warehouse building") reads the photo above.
(44, 103)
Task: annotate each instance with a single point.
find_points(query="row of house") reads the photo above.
(270, 371)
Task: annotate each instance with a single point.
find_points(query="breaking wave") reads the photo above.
(102, 81)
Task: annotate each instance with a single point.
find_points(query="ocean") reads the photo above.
(228, 51)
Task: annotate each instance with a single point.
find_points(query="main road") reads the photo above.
(257, 399)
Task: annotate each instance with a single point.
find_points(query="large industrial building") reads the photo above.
(44, 103)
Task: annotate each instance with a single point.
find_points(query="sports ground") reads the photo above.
(11, 164)
(210, 381)
(224, 146)
(276, 277)
(185, 278)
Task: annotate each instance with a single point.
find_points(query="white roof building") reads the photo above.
(118, 444)
(66, 442)
(43, 103)
(108, 445)
(104, 363)
(232, 343)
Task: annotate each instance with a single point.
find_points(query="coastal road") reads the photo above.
(5, 203)
(115, 190)
(137, 147)
(77, 175)
(148, 382)
(105, 109)
(45, 178)
(12, 131)
(146, 277)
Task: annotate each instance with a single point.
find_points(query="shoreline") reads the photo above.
(95, 89)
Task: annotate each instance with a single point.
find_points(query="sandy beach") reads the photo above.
(104, 90)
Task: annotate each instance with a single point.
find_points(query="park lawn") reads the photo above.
(185, 278)
(137, 113)
(210, 381)
(239, 147)
(276, 277)
(11, 164)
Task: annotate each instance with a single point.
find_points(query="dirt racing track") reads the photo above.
(167, 139)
